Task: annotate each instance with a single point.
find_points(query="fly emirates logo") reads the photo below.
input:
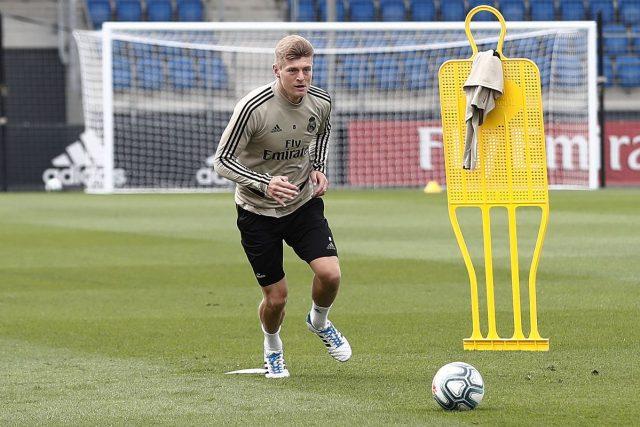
(293, 149)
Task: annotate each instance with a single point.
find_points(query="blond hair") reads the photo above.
(292, 47)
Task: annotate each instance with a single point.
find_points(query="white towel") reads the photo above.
(484, 85)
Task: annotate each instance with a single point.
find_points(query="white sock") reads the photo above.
(319, 316)
(272, 342)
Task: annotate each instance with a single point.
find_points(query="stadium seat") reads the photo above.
(423, 10)
(572, 10)
(604, 7)
(609, 72)
(182, 72)
(355, 71)
(629, 12)
(150, 73)
(190, 10)
(320, 68)
(306, 11)
(453, 11)
(415, 70)
(569, 71)
(374, 39)
(340, 10)
(482, 16)
(513, 10)
(159, 10)
(99, 12)
(362, 10)
(628, 71)
(346, 40)
(615, 39)
(386, 70)
(121, 73)
(542, 10)
(635, 38)
(318, 40)
(213, 73)
(128, 10)
(392, 10)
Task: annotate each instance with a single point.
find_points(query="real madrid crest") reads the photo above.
(311, 126)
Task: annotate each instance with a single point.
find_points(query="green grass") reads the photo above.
(129, 309)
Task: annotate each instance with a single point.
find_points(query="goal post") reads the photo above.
(158, 96)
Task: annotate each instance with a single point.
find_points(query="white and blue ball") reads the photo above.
(458, 386)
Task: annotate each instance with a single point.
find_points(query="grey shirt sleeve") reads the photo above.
(318, 150)
(233, 141)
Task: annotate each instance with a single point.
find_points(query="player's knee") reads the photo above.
(329, 277)
(276, 300)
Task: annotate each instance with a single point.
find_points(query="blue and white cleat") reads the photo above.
(275, 366)
(336, 343)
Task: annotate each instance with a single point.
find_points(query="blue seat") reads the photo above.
(182, 72)
(616, 40)
(355, 72)
(159, 10)
(569, 72)
(150, 73)
(190, 10)
(513, 10)
(423, 10)
(629, 12)
(635, 38)
(453, 11)
(386, 71)
(340, 10)
(306, 11)
(609, 71)
(572, 10)
(542, 10)
(99, 12)
(362, 10)
(121, 73)
(416, 70)
(320, 71)
(346, 40)
(392, 10)
(318, 40)
(128, 10)
(628, 71)
(482, 16)
(374, 39)
(603, 7)
(213, 73)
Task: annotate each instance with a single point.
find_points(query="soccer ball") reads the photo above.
(53, 184)
(458, 386)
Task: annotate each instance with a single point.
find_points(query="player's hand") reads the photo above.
(281, 190)
(320, 183)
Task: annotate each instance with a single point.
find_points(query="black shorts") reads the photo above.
(306, 230)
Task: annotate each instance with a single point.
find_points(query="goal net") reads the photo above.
(157, 97)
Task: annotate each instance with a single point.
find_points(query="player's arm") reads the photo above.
(318, 153)
(234, 139)
(318, 149)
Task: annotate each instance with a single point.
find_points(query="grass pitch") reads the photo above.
(129, 309)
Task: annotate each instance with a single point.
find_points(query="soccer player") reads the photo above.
(275, 149)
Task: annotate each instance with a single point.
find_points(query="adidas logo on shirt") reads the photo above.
(275, 129)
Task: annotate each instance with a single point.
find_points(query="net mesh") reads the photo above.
(174, 90)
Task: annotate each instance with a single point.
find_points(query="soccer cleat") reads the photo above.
(275, 366)
(336, 343)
